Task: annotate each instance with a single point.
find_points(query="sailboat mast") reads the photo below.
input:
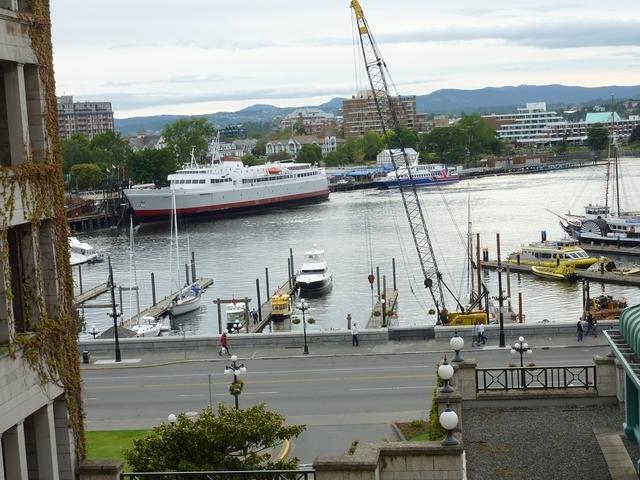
(614, 145)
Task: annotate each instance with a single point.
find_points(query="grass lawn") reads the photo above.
(110, 444)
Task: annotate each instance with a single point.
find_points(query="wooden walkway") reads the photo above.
(610, 249)
(161, 307)
(266, 308)
(593, 276)
(91, 294)
(375, 321)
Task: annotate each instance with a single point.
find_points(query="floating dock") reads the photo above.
(592, 276)
(162, 306)
(610, 249)
(375, 318)
(287, 288)
(91, 294)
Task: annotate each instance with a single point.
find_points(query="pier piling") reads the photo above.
(378, 280)
(259, 302)
(502, 339)
(393, 269)
(186, 273)
(153, 289)
(193, 266)
(218, 304)
(80, 277)
(266, 276)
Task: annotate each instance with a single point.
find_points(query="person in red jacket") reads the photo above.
(223, 344)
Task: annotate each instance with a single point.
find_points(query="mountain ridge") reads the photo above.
(444, 101)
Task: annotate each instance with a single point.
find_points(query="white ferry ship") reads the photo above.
(227, 185)
(424, 175)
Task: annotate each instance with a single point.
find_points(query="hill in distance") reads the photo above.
(446, 101)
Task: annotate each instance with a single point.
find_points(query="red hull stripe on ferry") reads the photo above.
(234, 205)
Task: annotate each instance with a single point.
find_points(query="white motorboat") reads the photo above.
(82, 252)
(149, 329)
(236, 316)
(314, 275)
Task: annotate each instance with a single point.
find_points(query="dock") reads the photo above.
(610, 249)
(592, 276)
(91, 294)
(162, 306)
(265, 308)
(375, 318)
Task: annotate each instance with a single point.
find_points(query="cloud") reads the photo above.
(181, 79)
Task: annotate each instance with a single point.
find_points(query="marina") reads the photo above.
(236, 250)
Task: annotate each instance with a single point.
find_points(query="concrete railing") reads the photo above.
(266, 340)
(514, 330)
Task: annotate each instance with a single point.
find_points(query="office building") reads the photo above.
(88, 118)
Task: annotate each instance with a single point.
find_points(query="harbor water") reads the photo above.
(358, 230)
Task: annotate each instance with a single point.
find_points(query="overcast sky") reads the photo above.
(202, 56)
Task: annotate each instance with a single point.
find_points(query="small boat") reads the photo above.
(548, 253)
(151, 328)
(187, 300)
(82, 252)
(280, 306)
(605, 307)
(314, 276)
(236, 316)
(564, 271)
(610, 266)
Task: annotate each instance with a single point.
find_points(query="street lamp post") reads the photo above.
(114, 314)
(236, 369)
(521, 347)
(303, 307)
(449, 421)
(384, 319)
(457, 343)
(445, 371)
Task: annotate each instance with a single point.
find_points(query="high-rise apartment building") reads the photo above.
(35, 307)
(360, 114)
(88, 118)
(530, 124)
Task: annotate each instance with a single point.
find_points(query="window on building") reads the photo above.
(35, 110)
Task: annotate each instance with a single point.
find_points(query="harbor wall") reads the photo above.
(295, 339)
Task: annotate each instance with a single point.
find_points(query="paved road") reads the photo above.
(340, 398)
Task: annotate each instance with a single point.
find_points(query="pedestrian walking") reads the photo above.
(354, 335)
(590, 325)
(579, 330)
(474, 335)
(481, 334)
(223, 344)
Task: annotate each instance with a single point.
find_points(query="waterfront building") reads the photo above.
(292, 146)
(314, 120)
(360, 115)
(529, 124)
(233, 131)
(35, 299)
(143, 141)
(88, 118)
(577, 132)
(384, 157)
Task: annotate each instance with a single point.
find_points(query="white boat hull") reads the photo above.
(147, 330)
(185, 306)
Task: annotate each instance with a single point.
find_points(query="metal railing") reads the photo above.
(306, 474)
(536, 378)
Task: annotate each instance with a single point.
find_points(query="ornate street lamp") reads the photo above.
(236, 369)
(303, 308)
(449, 421)
(445, 372)
(457, 343)
(521, 347)
(172, 419)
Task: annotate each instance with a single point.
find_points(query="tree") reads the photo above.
(260, 148)
(335, 158)
(372, 145)
(310, 153)
(75, 149)
(635, 135)
(151, 166)
(448, 143)
(251, 160)
(481, 137)
(86, 175)
(229, 439)
(403, 137)
(111, 149)
(597, 138)
(186, 133)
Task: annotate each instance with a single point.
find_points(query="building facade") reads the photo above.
(293, 145)
(35, 439)
(313, 120)
(88, 118)
(360, 115)
(528, 125)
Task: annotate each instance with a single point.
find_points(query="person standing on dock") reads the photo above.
(579, 330)
(223, 344)
(354, 335)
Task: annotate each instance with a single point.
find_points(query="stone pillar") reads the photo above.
(464, 380)
(17, 117)
(605, 375)
(35, 112)
(15, 453)
(46, 450)
(66, 456)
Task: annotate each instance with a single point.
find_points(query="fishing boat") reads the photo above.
(280, 306)
(600, 223)
(226, 185)
(314, 276)
(188, 298)
(564, 271)
(424, 175)
(549, 253)
(236, 316)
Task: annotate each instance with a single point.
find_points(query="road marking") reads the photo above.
(416, 387)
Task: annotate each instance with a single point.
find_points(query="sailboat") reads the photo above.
(188, 299)
(151, 327)
(600, 224)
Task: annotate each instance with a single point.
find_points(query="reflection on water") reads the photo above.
(236, 251)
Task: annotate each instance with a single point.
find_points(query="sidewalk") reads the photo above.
(155, 358)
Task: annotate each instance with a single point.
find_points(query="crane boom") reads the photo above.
(388, 114)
